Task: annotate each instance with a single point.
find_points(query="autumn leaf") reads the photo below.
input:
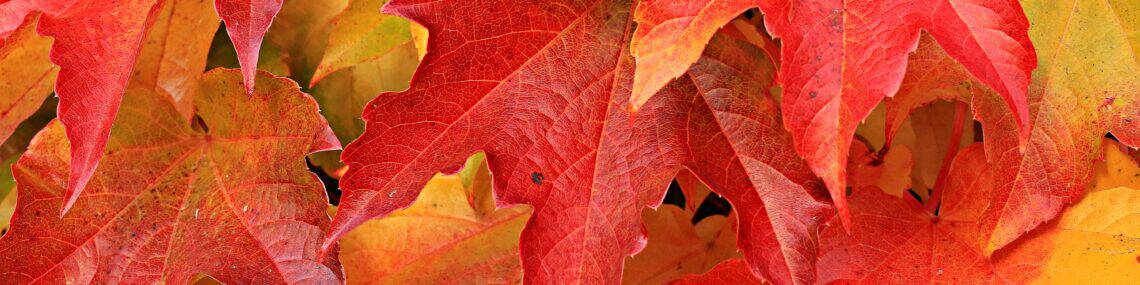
(176, 198)
(550, 135)
(96, 44)
(1086, 87)
(676, 246)
(357, 71)
(362, 35)
(28, 76)
(300, 34)
(841, 58)
(246, 23)
(896, 241)
(734, 271)
(442, 238)
(173, 52)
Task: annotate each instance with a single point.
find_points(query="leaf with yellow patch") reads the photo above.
(441, 238)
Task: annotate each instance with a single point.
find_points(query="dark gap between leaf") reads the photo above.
(674, 196)
(332, 185)
(713, 205)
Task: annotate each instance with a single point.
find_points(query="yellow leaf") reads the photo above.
(173, 53)
(362, 34)
(441, 238)
(27, 75)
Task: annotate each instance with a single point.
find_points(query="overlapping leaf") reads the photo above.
(95, 45)
(545, 93)
(27, 78)
(842, 57)
(180, 199)
(361, 34)
(896, 241)
(677, 247)
(1086, 87)
(452, 234)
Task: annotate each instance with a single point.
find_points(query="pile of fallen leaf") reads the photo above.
(568, 141)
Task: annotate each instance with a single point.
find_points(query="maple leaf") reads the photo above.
(677, 246)
(28, 76)
(177, 198)
(559, 137)
(896, 241)
(841, 58)
(733, 271)
(440, 236)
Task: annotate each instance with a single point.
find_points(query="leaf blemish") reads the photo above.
(536, 177)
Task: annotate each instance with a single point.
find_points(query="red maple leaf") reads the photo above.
(543, 88)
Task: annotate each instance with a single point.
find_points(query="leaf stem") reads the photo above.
(932, 204)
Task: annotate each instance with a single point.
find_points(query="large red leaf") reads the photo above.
(246, 23)
(228, 196)
(841, 57)
(542, 87)
(96, 45)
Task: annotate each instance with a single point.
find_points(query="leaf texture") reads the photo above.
(842, 57)
(180, 199)
(559, 137)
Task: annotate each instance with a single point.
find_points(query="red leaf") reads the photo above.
(177, 200)
(843, 56)
(246, 23)
(544, 92)
(106, 33)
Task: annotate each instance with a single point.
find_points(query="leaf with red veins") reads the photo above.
(734, 142)
(733, 271)
(96, 43)
(541, 88)
(547, 101)
(229, 196)
(842, 57)
(246, 22)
